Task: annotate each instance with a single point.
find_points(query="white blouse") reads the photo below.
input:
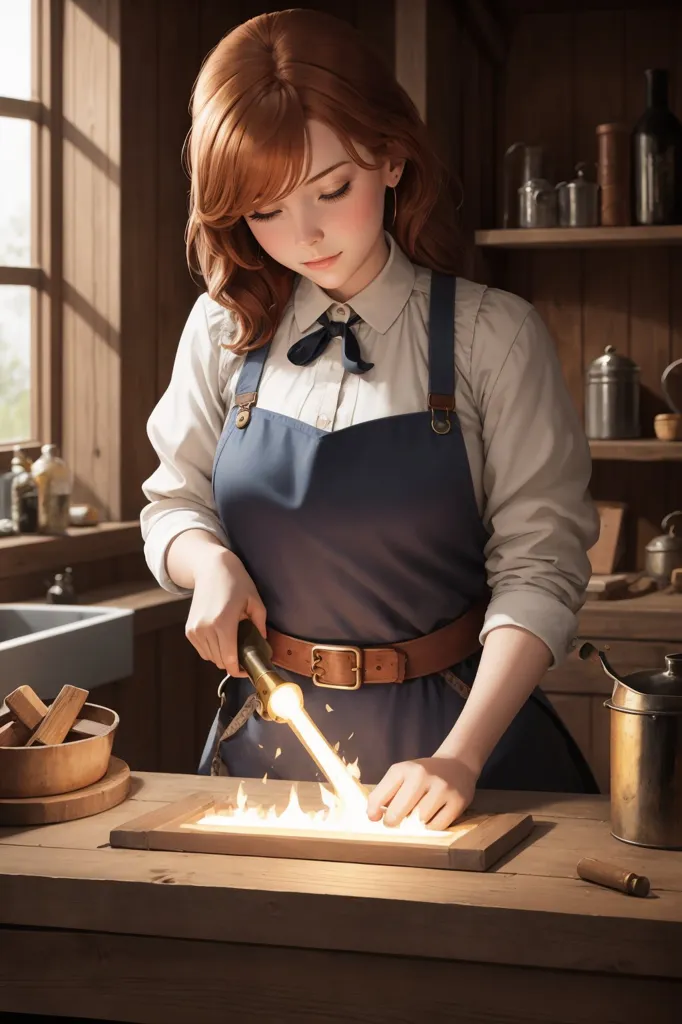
(529, 459)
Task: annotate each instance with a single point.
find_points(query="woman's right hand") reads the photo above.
(224, 594)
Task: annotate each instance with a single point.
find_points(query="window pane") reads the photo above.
(15, 48)
(15, 192)
(15, 363)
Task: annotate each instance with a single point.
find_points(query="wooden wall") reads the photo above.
(570, 68)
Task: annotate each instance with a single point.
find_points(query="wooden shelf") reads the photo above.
(579, 238)
(647, 449)
(25, 553)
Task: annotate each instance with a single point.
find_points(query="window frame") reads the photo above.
(44, 276)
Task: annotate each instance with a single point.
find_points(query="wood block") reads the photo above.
(604, 555)
(676, 580)
(601, 588)
(473, 843)
(28, 710)
(26, 706)
(60, 717)
(13, 734)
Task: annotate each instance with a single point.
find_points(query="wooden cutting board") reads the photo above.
(109, 791)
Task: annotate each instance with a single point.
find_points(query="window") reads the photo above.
(21, 273)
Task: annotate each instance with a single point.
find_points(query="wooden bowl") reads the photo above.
(58, 767)
(668, 426)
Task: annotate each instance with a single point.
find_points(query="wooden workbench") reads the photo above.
(170, 937)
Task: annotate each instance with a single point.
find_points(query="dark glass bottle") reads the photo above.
(657, 157)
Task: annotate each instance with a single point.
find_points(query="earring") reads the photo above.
(395, 204)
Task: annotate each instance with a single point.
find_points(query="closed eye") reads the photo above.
(332, 197)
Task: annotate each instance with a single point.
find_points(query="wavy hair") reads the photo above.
(248, 146)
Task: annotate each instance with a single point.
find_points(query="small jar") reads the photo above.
(612, 397)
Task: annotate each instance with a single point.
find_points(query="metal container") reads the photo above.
(612, 397)
(537, 204)
(578, 201)
(664, 553)
(646, 753)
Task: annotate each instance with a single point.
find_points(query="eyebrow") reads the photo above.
(328, 171)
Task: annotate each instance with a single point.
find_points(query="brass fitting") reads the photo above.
(255, 657)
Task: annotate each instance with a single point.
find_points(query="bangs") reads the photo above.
(270, 158)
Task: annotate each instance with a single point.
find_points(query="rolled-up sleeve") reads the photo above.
(538, 510)
(184, 429)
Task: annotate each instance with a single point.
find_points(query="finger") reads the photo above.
(408, 796)
(228, 646)
(213, 649)
(445, 817)
(431, 803)
(197, 642)
(383, 792)
(258, 615)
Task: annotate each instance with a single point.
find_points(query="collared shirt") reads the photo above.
(529, 459)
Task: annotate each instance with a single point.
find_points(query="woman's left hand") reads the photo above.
(440, 788)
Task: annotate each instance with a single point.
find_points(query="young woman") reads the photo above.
(373, 459)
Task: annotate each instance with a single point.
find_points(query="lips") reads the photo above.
(321, 263)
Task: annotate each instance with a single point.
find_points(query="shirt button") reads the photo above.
(340, 311)
(322, 422)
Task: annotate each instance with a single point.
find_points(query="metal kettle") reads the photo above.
(646, 753)
(664, 553)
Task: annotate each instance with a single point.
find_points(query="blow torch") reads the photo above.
(282, 701)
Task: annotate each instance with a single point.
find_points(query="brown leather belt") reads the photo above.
(343, 667)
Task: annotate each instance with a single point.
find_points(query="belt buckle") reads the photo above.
(356, 668)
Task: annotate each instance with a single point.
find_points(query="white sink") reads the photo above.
(46, 646)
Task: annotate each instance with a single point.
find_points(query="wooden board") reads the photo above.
(605, 554)
(473, 844)
(110, 790)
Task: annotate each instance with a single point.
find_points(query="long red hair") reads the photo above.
(248, 146)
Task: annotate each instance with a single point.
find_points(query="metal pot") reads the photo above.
(646, 753)
(664, 553)
(612, 397)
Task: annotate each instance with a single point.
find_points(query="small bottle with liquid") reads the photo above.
(20, 462)
(24, 496)
(53, 479)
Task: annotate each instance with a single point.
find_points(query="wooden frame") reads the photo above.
(44, 276)
(174, 827)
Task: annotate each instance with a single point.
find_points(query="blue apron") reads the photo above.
(369, 535)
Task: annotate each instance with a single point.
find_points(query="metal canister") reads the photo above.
(578, 201)
(646, 752)
(612, 397)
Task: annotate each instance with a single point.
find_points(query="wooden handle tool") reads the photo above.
(28, 711)
(60, 716)
(613, 876)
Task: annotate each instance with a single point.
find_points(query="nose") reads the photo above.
(307, 232)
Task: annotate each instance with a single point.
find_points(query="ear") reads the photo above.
(393, 171)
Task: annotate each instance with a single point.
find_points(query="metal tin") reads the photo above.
(578, 201)
(612, 397)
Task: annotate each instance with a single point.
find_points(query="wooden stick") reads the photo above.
(61, 715)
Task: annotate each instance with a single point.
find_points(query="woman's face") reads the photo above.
(338, 212)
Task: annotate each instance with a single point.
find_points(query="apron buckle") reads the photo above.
(443, 404)
(356, 669)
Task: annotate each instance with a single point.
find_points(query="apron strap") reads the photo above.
(441, 398)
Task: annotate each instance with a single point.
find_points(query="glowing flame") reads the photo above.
(333, 817)
(344, 811)
(285, 703)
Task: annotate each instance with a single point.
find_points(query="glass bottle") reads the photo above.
(20, 462)
(657, 157)
(53, 479)
(24, 501)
